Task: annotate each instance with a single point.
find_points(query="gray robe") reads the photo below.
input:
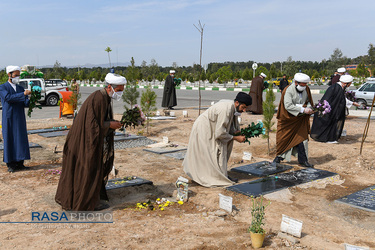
(210, 145)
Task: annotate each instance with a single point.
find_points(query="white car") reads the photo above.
(365, 93)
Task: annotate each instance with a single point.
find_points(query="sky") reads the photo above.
(76, 33)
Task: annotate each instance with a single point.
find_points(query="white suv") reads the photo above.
(365, 93)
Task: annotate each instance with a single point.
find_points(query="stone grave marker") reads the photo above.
(161, 118)
(275, 183)
(247, 156)
(363, 199)
(291, 226)
(124, 137)
(226, 203)
(31, 145)
(126, 182)
(262, 168)
(46, 130)
(165, 150)
(54, 133)
(180, 155)
(352, 247)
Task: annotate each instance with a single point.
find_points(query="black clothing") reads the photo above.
(329, 126)
(169, 93)
(283, 84)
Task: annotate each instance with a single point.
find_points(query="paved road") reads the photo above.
(185, 99)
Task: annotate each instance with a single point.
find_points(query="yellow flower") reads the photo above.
(180, 202)
(162, 209)
(158, 199)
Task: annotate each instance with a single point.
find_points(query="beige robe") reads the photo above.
(210, 145)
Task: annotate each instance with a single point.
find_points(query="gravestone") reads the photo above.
(123, 137)
(46, 130)
(54, 134)
(126, 182)
(364, 199)
(180, 155)
(275, 183)
(262, 168)
(162, 118)
(31, 145)
(165, 150)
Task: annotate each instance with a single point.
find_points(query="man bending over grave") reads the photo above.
(293, 121)
(211, 142)
(89, 150)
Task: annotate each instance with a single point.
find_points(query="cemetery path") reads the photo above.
(198, 223)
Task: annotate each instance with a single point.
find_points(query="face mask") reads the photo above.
(237, 111)
(300, 88)
(116, 95)
(15, 80)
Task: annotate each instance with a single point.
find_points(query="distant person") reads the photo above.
(169, 93)
(14, 99)
(336, 77)
(283, 83)
(211, 142)
(74, 86)
(256, 93)
(293, 121)
(328, 128)
(88, 153)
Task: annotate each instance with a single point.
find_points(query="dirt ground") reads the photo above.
(198, 223)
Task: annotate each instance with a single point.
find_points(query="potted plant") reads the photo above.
(257, 232)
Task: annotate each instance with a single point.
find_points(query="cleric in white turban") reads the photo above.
(89, 150)
(328, 128)
(14, 99)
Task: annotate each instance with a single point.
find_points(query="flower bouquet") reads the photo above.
(253, 130)
(132, 117)
(177, 81)
(350, 95)
(34, 98)
(322, 108)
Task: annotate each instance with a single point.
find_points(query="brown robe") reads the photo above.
(291, 130)
(256, 93)
(88, 155)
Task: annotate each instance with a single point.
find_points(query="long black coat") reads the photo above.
(169, 93)
(329, 127)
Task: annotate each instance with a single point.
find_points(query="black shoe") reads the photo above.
(171, 108)
(23, 168)
(101, 206)
(11, 169)
(306, 164)
(278, 159)
(233, 179)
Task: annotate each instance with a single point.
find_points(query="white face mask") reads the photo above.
(116, 95)
(300, 88)
(15, 80)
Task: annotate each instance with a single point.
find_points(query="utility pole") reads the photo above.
(200, 29)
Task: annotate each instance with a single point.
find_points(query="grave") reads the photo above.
(180, 155)
(363, 199)
(202, 108)
(263, 168)
(46, 130)
(165, 150)
(31, 145)
(275, 183)
(162, 118)
(126, 182)
(54, 134)
(123, 137)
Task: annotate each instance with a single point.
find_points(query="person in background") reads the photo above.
(283, 83)
(169, 93)
(14, 99)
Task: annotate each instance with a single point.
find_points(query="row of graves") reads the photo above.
(273, 177)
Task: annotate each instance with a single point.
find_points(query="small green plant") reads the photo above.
(268, 113)
(257, 215)
(148, 103)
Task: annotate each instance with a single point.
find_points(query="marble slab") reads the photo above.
(31, 145)
(126, 182)
(180, 155)
(54, 134)
(165, 150)
(263, 168)
(363, 199)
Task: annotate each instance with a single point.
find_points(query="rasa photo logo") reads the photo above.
(72, 217)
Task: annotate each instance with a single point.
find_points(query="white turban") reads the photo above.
(301, 77)
(115, 79)
(12, 68)
(341, 70)
(346, 78)
(264, 75)
(172, 71)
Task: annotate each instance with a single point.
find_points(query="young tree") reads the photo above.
(268, 113)
(130, 92)
(148, 103)
(154, 69)
(371, 58)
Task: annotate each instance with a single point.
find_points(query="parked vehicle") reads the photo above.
(365, 93)
(50, 91)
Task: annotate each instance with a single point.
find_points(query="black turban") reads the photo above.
(242, 97)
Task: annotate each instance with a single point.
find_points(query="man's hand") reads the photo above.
(27, 92)
(115, 125)
(239, 138)
(308, 111)
(356, 104)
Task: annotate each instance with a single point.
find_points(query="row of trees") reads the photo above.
(221, 72)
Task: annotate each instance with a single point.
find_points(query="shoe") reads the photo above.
(332, 142)
(306, 164)
(11, 170)
(23, 168)
(233, 179)
(278, 159)
(171, 108)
